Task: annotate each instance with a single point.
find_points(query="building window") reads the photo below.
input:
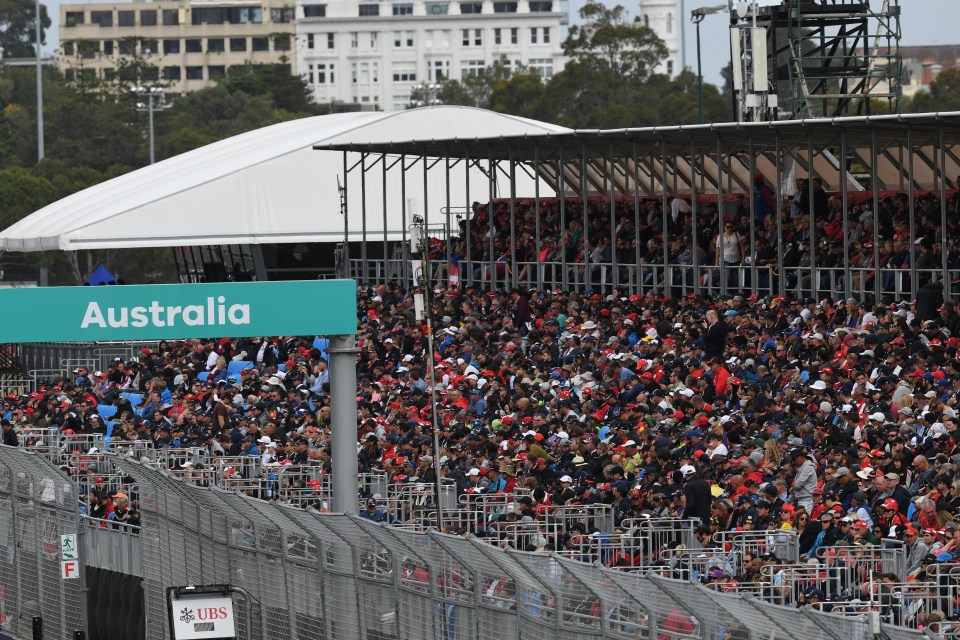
(171, 17)
(148, 17)
(403, 39)
(281, 42)
(541, 66)
(128, 47)
(471, 7)
(171, 73)
(282, 15)
(477, 39)
(310, 42)
(108, 47)
(546, 35)
(149, 46)
(354, 39)
(193, 45)
(88, 49)
(330, 41)
(514, 35)
(400, 103)
(541, 7)
(533, 35)
(325, 73)
(669, 23)
(238, 44)
(669, 67)
(171, 46)
(403, 9)
(194, 73)
(365, 72)
(102, 18)
(126, 18)
(259, 44)
(369, 10)
(471, 68)
(314, 11)
(214, 45)
(74, 18)
(437, 8)
(504, 7)
(497, 39)
(646, 21)
(404, 71)
(216, 71)
(438, 70)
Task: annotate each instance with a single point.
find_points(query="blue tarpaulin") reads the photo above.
(101, 275)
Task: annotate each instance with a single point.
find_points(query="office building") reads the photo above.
(185, 45)
(375, 53)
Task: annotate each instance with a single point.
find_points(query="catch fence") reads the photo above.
(312, 575)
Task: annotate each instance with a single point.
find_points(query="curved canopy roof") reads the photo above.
(264, 186)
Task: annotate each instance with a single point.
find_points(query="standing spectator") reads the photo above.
(805, 481)
(9, 433)
(715, 337)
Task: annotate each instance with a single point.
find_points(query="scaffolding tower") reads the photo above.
(829, 58)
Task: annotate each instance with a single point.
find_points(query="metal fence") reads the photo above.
(313, 575)
(38, 504)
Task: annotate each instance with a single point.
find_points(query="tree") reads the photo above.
(609, 42)
(18, 24)
(609, 62)
(943, 95)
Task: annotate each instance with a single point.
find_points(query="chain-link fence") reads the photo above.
(311, 576)
(38, 505)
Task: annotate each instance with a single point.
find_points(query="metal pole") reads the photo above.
(943, 213)
(39, 27)
(364, 278)
(405, 252)
(343, 412)
(428, 311)
(754, 273)
(586, 221)
(611, 175)
(538, 264)
(782, 279)
(699, 70)
(683, 36)
(346, 218)
(513, 221)
(150, 117)
(386, 248)
(562, 186)
(847, 284)
(912, 212)
(813, 222)
(665, 215)
(694, 206)
(491, 176)
(469, 236)
(636, 218)
(874, 186)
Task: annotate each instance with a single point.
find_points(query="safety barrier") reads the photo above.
(678, 278)
(38, 505)
(311, 575)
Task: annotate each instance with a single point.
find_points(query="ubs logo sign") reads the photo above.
(202, 616)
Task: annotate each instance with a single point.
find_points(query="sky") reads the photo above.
(921, 22)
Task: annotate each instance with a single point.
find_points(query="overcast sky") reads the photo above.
(922, 22)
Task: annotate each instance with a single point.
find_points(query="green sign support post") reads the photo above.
(221, 310)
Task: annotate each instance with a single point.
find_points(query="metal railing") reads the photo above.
(677, 278)
(312, 575)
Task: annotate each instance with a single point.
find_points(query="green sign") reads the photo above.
(170, 311)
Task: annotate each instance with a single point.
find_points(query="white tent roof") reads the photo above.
(265, 186)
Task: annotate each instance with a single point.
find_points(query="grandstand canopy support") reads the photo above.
(861, 160)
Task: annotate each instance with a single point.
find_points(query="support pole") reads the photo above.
(343, 411)
(39, 28)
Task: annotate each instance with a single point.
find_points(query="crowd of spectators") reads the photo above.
(632, 236)
(837, 419)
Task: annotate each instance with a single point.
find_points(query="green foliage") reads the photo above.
(18, 24)
(94, 132)
(943, 95)
(608, 43)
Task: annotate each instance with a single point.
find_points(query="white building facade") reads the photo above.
(374, 53)
(663, 17)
